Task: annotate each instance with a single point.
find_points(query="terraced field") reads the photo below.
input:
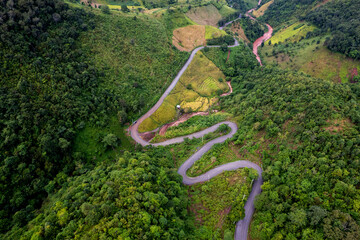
(197, 90)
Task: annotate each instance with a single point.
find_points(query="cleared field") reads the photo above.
(262, 9)
(292, 33)
(196, 91)
(189, 37)
(205, 15)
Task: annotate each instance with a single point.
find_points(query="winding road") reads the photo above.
(242, 226)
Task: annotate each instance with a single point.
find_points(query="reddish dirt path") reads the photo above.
(228, 55)
(261, 39)
(228, 93)
(182, 119)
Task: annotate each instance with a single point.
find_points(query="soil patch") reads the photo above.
(147, 136)
(338, 125)
(236, 28)
(189, 37)
(223, 213)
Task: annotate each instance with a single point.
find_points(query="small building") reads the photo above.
(178, 107)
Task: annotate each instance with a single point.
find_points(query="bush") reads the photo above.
(105, 9)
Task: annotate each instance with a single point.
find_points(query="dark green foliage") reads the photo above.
(241, 59)
(105, 9)
(252, 29)
(227, 40)
(242, 5)
(284, 10)
(341, 18)
(45, 86)
(124, 8)
(135, 198)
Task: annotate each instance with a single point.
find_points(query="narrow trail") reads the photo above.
(242, 226)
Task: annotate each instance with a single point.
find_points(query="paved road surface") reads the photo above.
(242, 226)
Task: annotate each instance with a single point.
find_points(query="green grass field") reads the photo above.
(196, 91)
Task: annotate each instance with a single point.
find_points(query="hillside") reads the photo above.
(112, 127)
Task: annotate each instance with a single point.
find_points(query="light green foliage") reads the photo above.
(218, 155)
(213, 32)
(215, 209)
(292, 33)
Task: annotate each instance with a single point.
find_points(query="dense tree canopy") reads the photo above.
(341, 18)
(310, 173)
(138, 197)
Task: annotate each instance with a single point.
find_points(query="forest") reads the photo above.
(73, 78)
(341, 19)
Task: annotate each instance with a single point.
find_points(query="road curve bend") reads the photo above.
(242, 226)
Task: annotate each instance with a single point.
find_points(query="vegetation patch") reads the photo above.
(292, 33)
(194, 124)
(216, 211)
(259, 12)
(196, 91)
(239, 32)
(338, 125)
(252, 29)
(213, 32)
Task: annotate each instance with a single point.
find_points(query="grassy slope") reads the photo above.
(212, 207)
(292, 33)
(138, 61)
(308, 55)
(205, 15)
(194, 92)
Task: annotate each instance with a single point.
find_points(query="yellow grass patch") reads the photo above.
(205, 15)
(148, 124)
(189, 37)
(202, 75)
(213, 32)
(262, 9)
